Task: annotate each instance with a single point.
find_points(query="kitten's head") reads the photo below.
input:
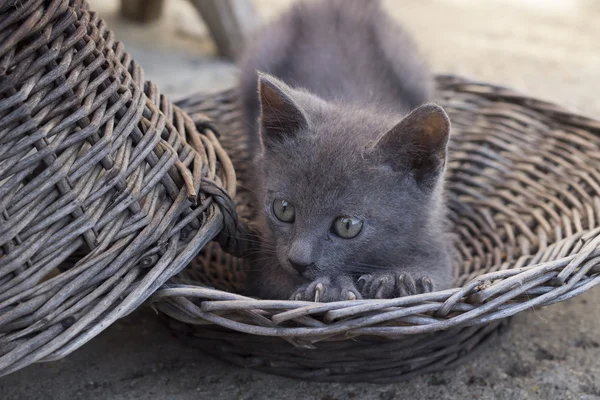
(346, 189)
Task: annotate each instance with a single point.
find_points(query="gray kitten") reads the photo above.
(349, 179)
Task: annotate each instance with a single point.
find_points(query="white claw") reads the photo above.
(362, 281)
(319, 290)
(427, 284)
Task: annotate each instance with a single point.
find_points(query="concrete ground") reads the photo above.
(547, 48)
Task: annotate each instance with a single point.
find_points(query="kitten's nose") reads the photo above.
(300, 265)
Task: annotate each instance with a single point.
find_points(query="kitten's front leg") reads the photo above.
(326, 289)
(388, 285)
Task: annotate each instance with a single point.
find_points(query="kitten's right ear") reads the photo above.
(280, 116)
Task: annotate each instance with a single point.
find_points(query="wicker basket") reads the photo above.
(106, 189)
(524, 199)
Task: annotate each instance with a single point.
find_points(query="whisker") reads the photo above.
(267, 257)
(263, 267)
(371, 266)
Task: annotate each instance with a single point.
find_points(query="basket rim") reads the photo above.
(510, 285)
(475, 86)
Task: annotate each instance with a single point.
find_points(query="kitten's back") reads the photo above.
(345, 51)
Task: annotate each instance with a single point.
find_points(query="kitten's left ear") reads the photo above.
(418, 143)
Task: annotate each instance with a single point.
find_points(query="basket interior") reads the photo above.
(522, 182)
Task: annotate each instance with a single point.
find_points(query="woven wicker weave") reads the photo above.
(524, 199)
(106, 189)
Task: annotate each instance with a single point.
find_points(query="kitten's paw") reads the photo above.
(326, 290)
(392, 284)
(347, 290)
(313, 291)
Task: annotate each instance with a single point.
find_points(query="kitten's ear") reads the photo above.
(280, 116)
(418, 143)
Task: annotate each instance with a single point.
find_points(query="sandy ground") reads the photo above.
(547, 48)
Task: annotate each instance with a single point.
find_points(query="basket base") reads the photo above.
(363, 359)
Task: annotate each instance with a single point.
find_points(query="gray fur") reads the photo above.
(333, 142)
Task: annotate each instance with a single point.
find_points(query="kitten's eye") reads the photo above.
(347, 227)
(284, 211)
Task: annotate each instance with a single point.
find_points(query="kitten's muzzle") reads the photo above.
(301, 266)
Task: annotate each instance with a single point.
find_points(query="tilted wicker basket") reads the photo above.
(524, 199)
(106, 189)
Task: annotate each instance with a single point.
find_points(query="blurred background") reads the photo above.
(545, 48)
